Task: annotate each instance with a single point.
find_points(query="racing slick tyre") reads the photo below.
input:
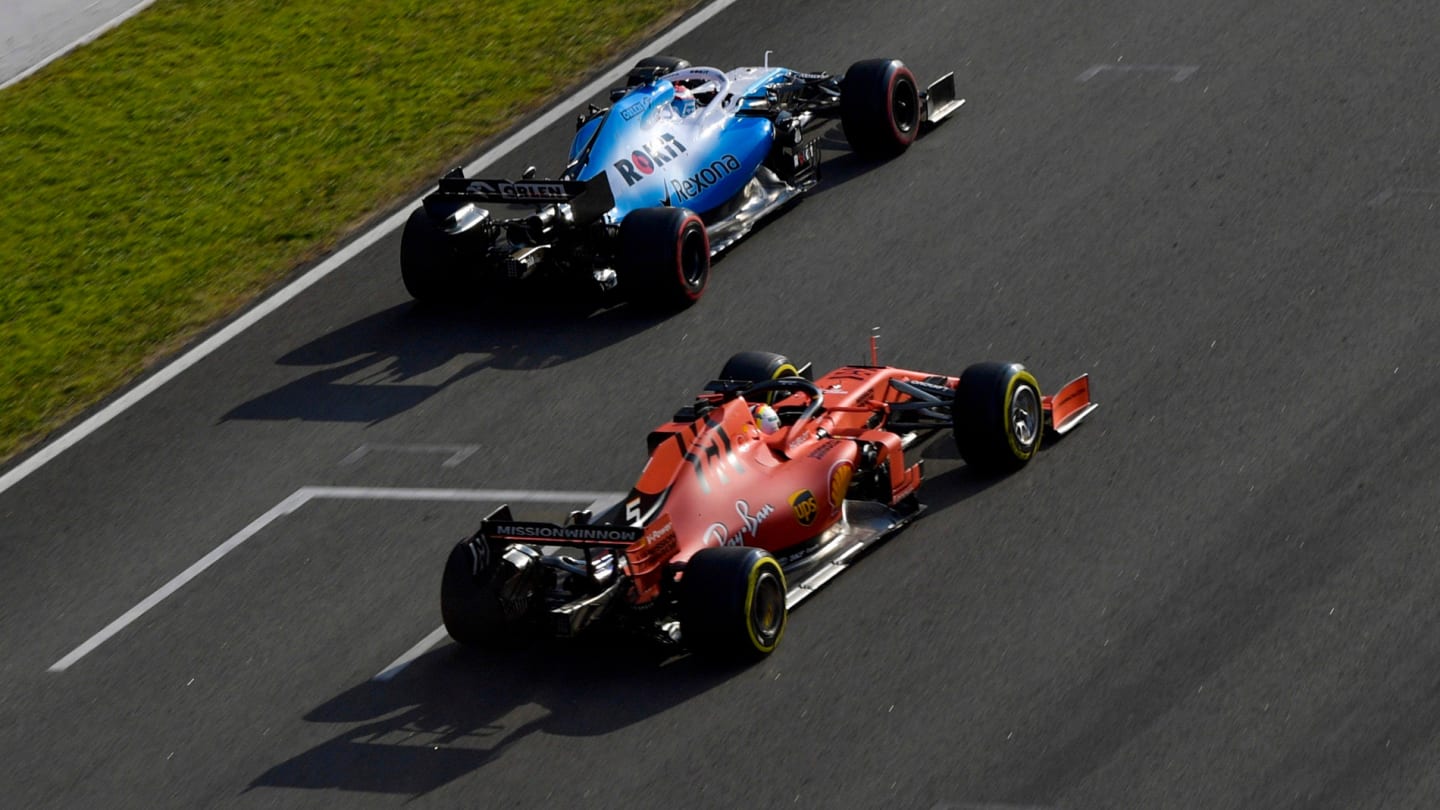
(430, 263)
(664, 257)
(880, 107)
(484, 601)
(997, 417)
(669, 64)
(758, 367)
(732, 603)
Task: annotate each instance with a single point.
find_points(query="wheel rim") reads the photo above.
(1025, 416)
(904, 105)
(693, 255)
(767, 609)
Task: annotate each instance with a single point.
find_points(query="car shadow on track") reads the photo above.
(950, 481)
(454, 711)
(839, 164)
(391, 361)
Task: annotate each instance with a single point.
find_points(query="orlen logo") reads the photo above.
(631, 110)
(840, 476)
(703, 179)
(643, 161)
(805, 506)
(533, 190)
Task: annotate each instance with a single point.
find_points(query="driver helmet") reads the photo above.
(766, 418)
(684, 101)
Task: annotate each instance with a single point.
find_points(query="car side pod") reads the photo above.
(940, 100)
(1069, 405)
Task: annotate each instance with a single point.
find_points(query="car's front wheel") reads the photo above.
(666, 64)
(997, 417)
(757, 367)
(880, 107)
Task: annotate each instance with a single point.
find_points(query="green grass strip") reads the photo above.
(158, 179)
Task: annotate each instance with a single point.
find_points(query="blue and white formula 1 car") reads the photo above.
(683, 163)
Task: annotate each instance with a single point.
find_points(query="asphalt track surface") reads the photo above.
(1220, 592)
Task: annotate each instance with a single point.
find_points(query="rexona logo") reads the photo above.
(643, 161)
(703, 179)
(805, 506)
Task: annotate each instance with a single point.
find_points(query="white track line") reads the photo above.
(285, 507)
(85, 40)
(283, 296)
(457, 452)
(298, 499)
(1179, 73)
(399, 664)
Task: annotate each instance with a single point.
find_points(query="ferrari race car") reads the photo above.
(683, 164)
(746, 507)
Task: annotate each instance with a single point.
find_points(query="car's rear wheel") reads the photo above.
(880, 107)
(485, 599)
(431, 264)
(997, 417)
(664, 257)
(732, 603)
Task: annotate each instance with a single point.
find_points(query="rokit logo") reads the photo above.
(703, 179)
(643, 161)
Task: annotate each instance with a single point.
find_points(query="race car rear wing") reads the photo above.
(588, 199)
(500, 526)
(600, 545)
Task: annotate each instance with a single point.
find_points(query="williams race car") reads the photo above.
(683, 164)
(746, 507)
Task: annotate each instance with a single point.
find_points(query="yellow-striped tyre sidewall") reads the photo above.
(757, 579)
(1021, 452)
(786, 370)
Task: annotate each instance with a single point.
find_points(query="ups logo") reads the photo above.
(805, 506)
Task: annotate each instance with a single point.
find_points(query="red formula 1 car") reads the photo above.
(764, 489)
